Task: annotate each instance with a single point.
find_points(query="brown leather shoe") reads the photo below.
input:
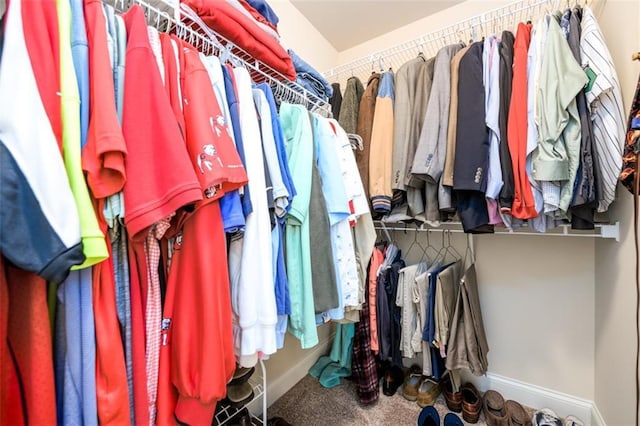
(495, 413)
(517, 414)
(453, 399)
(471, 403)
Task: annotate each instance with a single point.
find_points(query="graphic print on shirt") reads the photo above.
(219, 125)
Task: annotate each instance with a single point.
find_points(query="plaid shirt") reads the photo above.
(363, 362)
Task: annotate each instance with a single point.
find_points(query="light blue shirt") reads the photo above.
(491, 76)
(337, 203)
(80, 53)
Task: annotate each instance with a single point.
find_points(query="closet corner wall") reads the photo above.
(560, 314)
(615, 341)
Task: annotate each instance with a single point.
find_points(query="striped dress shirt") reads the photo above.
(605, 102)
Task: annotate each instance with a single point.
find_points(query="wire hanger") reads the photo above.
(447, 249)
(415, 243)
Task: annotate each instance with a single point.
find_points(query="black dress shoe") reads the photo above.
(393, 379)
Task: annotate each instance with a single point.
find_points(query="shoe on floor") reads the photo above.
(239, 394)
(573, 421)
(412, 382)
(428, 391)
(429, 417)
(471, 403)
(546, 417)
(517, 414)
(392, 380)
(452, 419)
(453, 399)
(495, 412)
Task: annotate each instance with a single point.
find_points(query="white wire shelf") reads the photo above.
(606, 231)
(173, 17)
(474, 28)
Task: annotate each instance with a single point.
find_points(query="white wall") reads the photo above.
(537, 300)
(615, 339)
(299, 34)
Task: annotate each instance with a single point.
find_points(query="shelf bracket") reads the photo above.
(611, 231)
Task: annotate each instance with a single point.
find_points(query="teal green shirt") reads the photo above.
(298, 135)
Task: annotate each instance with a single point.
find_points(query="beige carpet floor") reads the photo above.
(310, 404)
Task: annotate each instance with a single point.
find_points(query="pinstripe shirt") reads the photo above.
(605, 102)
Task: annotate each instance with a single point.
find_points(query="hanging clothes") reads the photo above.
(388, 314)
(506, 77)
(428, 163)
(447, 287)
(323, 268)
(366, 111)
(447, 174)
(555, 162)
(472, 147)
(380, 159)
(468, 345)
(605, 102)
(336, 99)
(491, 78)
(363, 362)
(413, 86)
(299, 143)
(584, 202)
(409, 313)
(349, 108)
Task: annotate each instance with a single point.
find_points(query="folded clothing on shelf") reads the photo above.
(310, 78)
(265, 10)
(225, 19)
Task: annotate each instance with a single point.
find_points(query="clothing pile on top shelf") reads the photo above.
(310, 79)
(156, 291)
(239, 22)
(514, 128)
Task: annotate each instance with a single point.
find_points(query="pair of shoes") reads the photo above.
(453, 399)
(497, 412)
(471, 403)
(546, 417)
(239, 390)
(429, 417)
(412, 382)
(428, 391)
(392, 380)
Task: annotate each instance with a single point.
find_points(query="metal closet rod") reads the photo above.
(485, 22)
(607, 231)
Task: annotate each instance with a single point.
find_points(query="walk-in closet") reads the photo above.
(310, 212)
